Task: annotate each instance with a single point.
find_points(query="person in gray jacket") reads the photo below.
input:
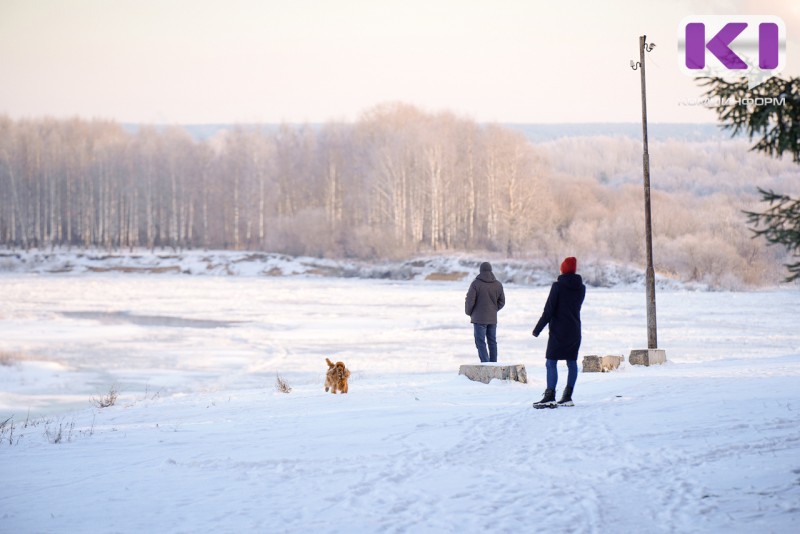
(484, 299)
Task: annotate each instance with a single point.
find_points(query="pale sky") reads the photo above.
(224, 61)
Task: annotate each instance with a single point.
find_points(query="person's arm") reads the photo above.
(472, 297)
(547, 313)
(501, 299)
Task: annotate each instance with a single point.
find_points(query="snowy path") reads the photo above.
(431, 454)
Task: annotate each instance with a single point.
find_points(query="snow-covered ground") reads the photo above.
(201, 441)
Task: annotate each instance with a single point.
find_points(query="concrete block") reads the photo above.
(647, 357)
(601, 364)
(485, 372)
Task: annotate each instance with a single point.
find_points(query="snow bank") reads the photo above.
(227, 263)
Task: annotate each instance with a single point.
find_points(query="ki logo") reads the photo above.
(732, 47)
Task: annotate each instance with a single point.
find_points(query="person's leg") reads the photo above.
(552, 374)
(491, 338)
(480, 341)
(572, 376)
(549, 398)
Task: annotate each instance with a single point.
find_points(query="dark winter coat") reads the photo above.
(484, 299)
(562, 312)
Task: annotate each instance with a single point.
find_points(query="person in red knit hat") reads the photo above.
(562, 312)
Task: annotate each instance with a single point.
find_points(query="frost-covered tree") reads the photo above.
(769, 112)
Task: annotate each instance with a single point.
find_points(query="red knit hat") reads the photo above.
(569, 265)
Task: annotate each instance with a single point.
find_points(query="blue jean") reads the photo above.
(484, 333)
(552, 373)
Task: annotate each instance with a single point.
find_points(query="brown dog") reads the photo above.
(337, 376)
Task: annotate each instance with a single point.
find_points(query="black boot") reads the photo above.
(566, 397)
(548, 401)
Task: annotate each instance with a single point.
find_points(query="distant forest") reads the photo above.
(395, 183)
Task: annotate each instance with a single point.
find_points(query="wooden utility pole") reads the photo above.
(650, 282)
(650, 277)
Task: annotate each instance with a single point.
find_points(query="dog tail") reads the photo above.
(330, 363)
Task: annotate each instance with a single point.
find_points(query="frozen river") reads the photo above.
(67, 338)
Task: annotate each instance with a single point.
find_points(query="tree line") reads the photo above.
(395, 183)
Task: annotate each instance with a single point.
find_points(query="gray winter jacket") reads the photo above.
(484, 299)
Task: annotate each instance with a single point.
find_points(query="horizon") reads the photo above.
(533, 132)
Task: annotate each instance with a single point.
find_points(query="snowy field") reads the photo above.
(201, 441)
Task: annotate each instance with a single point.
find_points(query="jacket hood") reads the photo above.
(486, 276)
(570, 281)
